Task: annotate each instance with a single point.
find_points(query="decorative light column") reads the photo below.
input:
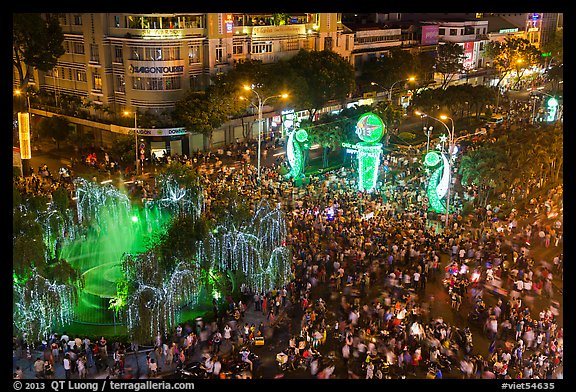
(370, 130)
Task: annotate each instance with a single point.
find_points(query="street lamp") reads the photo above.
(428, 132)
(261, 103)
(127, 113)
(18, 92)
(389, 90)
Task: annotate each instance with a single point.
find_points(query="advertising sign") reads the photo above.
(468, 55)
(429, 35)
(24, 135)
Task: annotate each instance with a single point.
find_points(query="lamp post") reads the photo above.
(411, 79)
(450, 149)
(389, 90)
(126, 113)
(261, 103)
(428, 132)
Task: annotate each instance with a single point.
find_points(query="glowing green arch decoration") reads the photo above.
(438, 182)
(294, 153)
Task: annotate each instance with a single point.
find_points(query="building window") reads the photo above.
(137, 53)
(453, 31)
(292, 44)
(262, 47)
(237, 48)
(153, 53)
(96, 81)
(172, 82)
(81, 76)
(66, 45)
(194, 54)
(116, 20)
(118, 55)
(78, 20)
(119, 83)
(156, 84)
(94, 55)
(441, 32)
(219, 54)
(78, 48)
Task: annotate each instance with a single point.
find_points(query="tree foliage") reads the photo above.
(514, 54)
(56, 128)
(449, 61)
(327, 76)
(36, 43)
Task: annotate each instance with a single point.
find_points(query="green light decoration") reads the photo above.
(552, 104)
(438, 182)
(370, 130)
(295, 154)
(368, 163)
(301, 135)
(432, 159)
(433, 199)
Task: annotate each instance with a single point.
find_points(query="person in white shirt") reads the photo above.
(67, 366)
(227, 332)
(152, 367)
(209, 366)
(216, 368)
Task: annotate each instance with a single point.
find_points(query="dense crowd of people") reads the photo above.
(361, 265)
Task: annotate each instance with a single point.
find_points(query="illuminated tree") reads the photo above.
(514, 54)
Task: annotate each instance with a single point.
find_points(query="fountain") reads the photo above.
(108, 228)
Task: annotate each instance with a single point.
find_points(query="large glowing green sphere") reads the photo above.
(370, 128)
(301, 135)
(432, 159)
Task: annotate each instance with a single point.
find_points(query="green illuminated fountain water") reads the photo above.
(109, 227)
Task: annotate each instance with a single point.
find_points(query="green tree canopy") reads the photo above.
(36, 43)
(327, 76)
(55, 127)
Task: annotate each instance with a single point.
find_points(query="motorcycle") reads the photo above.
(191, 370)
(463, 338)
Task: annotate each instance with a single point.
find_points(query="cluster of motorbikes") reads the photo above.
(233, 367)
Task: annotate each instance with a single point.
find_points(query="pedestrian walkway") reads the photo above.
(135, 366)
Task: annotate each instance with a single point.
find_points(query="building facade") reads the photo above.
(146, 63)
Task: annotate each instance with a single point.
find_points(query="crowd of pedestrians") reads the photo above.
(361, 266)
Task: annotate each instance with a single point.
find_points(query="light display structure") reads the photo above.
(438, 182)
(295, 152)
(370, 130)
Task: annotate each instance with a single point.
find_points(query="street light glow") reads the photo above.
(261, 103)
(127, 113)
